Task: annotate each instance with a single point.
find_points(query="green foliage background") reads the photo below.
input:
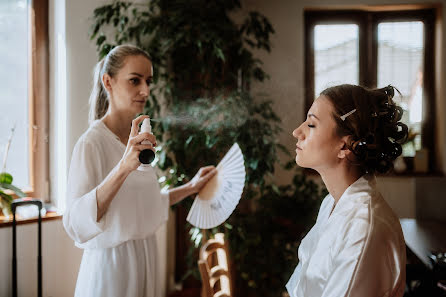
(203, 69)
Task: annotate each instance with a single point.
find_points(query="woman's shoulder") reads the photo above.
(383, 215)
(93, 136)
(374, 218)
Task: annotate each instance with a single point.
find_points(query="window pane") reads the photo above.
(400, 63)
(14, 88)
(336, 55)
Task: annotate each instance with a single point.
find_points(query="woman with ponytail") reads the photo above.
(114, 210)
(356, 247)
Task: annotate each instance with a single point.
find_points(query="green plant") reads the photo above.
(409, 147)
(203, 102)
(200, 54)
(5, 197)
(6, 187)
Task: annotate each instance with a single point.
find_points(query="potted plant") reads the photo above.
(7, 190)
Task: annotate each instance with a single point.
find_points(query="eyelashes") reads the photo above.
(136, 81)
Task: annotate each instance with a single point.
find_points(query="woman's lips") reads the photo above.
(298, 148)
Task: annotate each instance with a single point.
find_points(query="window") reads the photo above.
(24, 98)
(375, 48)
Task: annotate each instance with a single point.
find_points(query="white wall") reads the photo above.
(60, 260)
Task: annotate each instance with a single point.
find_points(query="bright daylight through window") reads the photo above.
(14, 82)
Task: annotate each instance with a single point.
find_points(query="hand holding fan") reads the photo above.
(219, 197)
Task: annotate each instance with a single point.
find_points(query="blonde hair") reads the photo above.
(110, 64)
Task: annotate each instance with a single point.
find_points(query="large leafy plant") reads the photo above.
(202, 103)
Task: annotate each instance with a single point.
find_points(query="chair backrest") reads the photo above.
(215, 267)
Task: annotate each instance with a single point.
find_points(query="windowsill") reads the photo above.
(49, 216)
(407, 174)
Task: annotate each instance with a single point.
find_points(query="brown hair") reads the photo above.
(110, 64)
(375, 127)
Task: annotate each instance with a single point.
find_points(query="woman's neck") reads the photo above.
(338, 179)
(120, 124)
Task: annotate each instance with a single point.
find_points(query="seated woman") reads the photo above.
(356, 247)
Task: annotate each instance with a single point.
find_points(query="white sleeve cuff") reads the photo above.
(80, 218)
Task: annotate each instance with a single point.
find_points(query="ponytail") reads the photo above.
(98, 96)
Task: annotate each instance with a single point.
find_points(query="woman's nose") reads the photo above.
(297, 133)
(145, 90)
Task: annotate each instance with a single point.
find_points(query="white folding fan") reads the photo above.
(219, 197)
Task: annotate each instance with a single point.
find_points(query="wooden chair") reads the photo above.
(214, 268)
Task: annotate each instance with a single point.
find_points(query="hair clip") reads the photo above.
(390, 92)
(343, 117)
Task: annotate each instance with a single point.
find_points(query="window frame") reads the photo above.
(367, 20)
(38, 100)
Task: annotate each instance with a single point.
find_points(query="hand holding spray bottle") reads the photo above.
(146, 156)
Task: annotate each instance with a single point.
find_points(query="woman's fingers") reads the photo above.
(205, 174)
(135, 124)
(204, 178)
(141, 147)
(141, 137)
(210, 173)
(204, 170)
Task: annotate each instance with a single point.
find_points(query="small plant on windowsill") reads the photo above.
(409, 146)
(7, 190)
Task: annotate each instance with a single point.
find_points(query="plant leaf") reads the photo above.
(5, 178)
(13, 188)
(6, 197)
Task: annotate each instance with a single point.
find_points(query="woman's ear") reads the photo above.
(345, 152)
(106, 81)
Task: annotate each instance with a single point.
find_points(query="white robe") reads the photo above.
(120, 251)
(357, 250)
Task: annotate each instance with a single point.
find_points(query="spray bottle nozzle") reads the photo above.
(146, 127)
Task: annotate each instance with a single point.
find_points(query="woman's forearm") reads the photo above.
(107, 190)
(179, 193)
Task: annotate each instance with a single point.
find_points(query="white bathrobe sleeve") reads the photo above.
(83, 179)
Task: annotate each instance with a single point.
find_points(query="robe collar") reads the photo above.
(358, 192)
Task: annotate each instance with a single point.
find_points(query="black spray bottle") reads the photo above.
(146, 156)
